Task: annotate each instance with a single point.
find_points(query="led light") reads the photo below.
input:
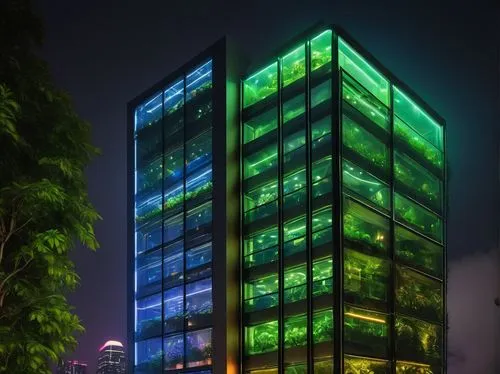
(366, 318)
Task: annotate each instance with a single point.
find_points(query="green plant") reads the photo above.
(359, 141)
(323, 327)
(417, 340)
(265, 338)
(418, 144)
(320, 58)
(364, 366)
(422, 187)
(403, 367)
(357, 230)
(293, 71)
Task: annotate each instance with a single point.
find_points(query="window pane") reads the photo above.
(261, 161)
(294, 181)
(199, 184)
(323, 326)
(365, 186)
(261, 293)
(294, 141)
(295, 331)
(173, 263)
(148, 317)
(199, 223)
(365, 332)
(321, 49)
(293, 108)
(148, 208)
(261, 240)
(260, 85)
(322, 276)
(148, 237)
(173, 300)
(322, 218)
(199, 256)
(199, 80)
(174, 166)
(261, 338)
(418, 295)
(364, 144)
(261, 212)
(148, 113)
(352, 62)
(418, 218)
(149, 355)
(173, 228)
(365, 279)
(199, 348)
(260, 125)
(149, 179)
(364, 229)
(418, 340)
(173, 98)
(321, 127)
(420, 184)
(199, 152)
(261, 195)
(294, 65)
(406, 109)
(321, 93)
(149, 272)
(418, 252)
(199, 302)
(174, 352)
(356, 365)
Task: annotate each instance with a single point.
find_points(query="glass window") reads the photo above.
(417, 144)
(174, 352)
(148, 317)
(199, 221)
(365, 186)
(322, 366)
(261, 161)
(365, 332)
(148, 237)
(173, 228)
(294, 181)
(260, 125)
(199, 184)
(148, 208)
(173, 97)
(262, 212)
(418, 252)
(321, 49)
(364, 144)
(407, 367)
(149, 355)
(411, 113)
(261, 293)
(149, 272)
(294, 65)
(322, 276)
(173, 301)
(364, 229)
(295, 284)
(321, 176)
(364, 102)
(174, 166)
(418, 217)
(322, 326)
(321, 127)
(198, 300)
(294, 141)
(199, 151)
(199, 80)
(293, 108)
(418, 340)
(354, 365)
(365, 279)
(173, 262)
(261, 195)
(321, 93)
(199, 256)
(261, 338)
(148, 113)
(149, 178)
(294, 203)
(295, 331)
(295, 228)
(352, 62)
(258, 241)
(199, 348)
(260, 85)
(173, 199)
(321, 218)
(418, 295)
(420, 184)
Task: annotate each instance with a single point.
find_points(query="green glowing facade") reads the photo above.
(343, 217)
(329, 176)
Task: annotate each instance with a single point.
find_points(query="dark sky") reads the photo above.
(106, 52)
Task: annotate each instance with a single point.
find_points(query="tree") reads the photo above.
(44, 207)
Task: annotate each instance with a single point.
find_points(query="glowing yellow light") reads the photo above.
(366, 318)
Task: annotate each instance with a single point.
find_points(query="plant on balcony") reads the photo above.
(417, 340)
(421, 187)
(354, 139)
(411, 368)
(200, 89)
(266, 338)
(364, 366)
(149, 327)
(323, 327)
(293, 71)
(319, 58)
(295, 333)
(355, 230)
(413, 252)
(416, 297)
(418, 144)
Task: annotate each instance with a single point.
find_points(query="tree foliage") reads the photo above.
(44, 207)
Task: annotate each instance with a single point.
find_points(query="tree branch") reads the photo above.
(2, 293)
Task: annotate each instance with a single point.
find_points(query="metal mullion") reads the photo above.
(308, 168)
(392, 275)
(444, 350)
(338, 258)
(184, 221)
(241, 335)
(281, 314)
(162, 224)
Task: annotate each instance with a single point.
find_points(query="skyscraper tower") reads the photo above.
(111, 359)
(296, 225)
(72, 367)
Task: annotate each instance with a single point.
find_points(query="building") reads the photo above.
(111, 359)
(71, 367)
(340, 190)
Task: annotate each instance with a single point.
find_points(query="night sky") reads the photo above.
(104, 53)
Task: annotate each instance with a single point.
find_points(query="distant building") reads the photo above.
(111, 358)
(72, 367)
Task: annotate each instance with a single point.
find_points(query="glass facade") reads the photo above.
(173, 226)
(343, 220)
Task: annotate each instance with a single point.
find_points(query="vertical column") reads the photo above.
(281, 318)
